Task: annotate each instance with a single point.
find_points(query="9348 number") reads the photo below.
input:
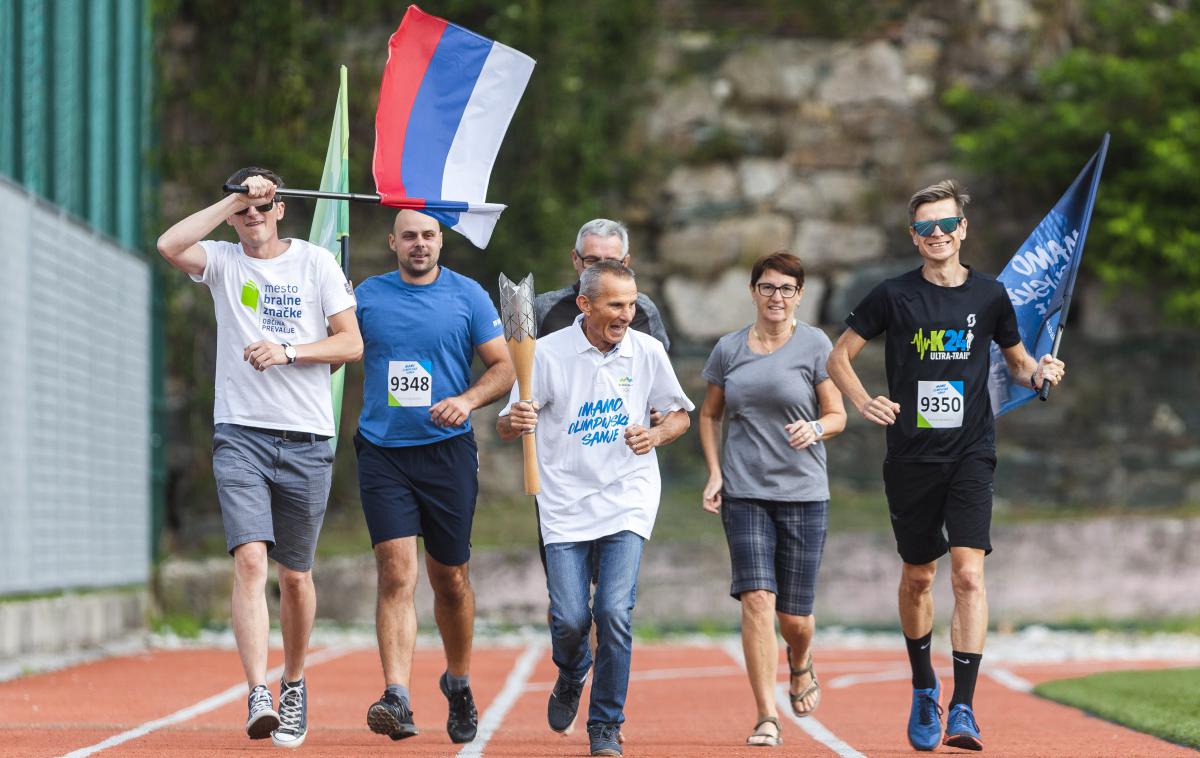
(941, 404)
(410, 383)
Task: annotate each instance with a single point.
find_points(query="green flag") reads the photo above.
(331, 218)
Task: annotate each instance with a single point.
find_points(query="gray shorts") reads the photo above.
(272, 490)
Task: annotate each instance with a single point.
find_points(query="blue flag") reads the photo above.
(1040, 279)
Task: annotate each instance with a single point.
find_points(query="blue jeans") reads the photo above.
(568, 579)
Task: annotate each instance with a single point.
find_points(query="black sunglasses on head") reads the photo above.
(947, 225)
(260, 208)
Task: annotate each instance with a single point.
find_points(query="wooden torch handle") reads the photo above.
(533, 483)
(522, 354)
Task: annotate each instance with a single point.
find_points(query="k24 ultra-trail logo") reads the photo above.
(945, 344)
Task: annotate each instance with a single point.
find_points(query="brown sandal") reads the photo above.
(798, 698)
(766, 740)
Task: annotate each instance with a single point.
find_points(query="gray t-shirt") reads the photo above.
(762, 394)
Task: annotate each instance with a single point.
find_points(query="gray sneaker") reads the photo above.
(293, 715)
(262, 718)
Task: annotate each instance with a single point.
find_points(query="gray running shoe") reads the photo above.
(262, 718)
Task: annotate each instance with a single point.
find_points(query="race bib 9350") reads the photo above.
(940, 405)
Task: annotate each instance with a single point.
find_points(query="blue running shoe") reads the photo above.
(925, 718)
(961, 729)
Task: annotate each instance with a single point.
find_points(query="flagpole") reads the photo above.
(415, 203)
(345, 240)
(1044, 392)
(287, 192)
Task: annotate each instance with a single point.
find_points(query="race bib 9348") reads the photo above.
(409, 383)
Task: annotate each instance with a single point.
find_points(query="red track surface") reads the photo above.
(684, 700)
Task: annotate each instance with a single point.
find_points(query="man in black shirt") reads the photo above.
(598, 240)
(939, 322)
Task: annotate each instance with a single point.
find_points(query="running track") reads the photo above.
(684, 700)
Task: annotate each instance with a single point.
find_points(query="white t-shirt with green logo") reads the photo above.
(287, 298)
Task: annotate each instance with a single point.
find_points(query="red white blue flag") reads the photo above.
(446, 101)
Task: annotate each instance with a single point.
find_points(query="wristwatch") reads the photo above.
(817, 428)
(290, 352)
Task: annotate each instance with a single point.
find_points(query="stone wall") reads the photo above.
(1131, 569)
(812, 145)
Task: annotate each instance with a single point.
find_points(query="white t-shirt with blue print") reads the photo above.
(593, 485)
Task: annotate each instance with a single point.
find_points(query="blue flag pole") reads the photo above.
(1070, 280)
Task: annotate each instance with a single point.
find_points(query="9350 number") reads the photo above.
(941, 404)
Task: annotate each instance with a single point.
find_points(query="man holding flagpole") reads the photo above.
(418, 466)
(939, 321)
(285, 312)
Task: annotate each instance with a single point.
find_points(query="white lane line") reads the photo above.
(204, 706)
(1008, 679)
(814, 728)
(493, 717)
(809, 724)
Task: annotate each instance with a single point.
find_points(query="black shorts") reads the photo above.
(924, 497)
(428, 490)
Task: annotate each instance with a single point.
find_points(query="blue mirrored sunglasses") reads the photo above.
(947, 225)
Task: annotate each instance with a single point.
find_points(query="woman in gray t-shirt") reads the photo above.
(769, 482)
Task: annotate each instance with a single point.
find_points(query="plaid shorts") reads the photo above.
(776, 546)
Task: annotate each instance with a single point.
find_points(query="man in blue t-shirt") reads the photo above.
(417, 462)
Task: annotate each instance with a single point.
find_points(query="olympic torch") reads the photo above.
(516, 310)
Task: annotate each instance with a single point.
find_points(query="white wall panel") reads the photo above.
(75, 403)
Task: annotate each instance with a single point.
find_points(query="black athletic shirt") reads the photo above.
(937, 357)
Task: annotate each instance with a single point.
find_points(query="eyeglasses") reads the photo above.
(260, 208)
(768, 290)
(947, 225)
(592, 260)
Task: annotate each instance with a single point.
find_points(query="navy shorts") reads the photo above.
(272, 490)
(427, 490)
(776, 546)
(925, 497)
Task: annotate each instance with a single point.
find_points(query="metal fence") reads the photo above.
(75, 402)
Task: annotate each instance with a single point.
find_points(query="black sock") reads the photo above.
(966, 671)
(923, 677)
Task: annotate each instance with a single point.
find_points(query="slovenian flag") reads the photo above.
(447, 98)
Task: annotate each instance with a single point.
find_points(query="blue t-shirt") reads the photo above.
(418, 345)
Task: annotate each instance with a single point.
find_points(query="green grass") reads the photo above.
(1162, 703)
(1169, 625)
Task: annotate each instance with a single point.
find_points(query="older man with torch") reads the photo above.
(592, 388)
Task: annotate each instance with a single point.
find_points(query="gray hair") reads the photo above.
(943, 190)
(589, 280)
(603, 227)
